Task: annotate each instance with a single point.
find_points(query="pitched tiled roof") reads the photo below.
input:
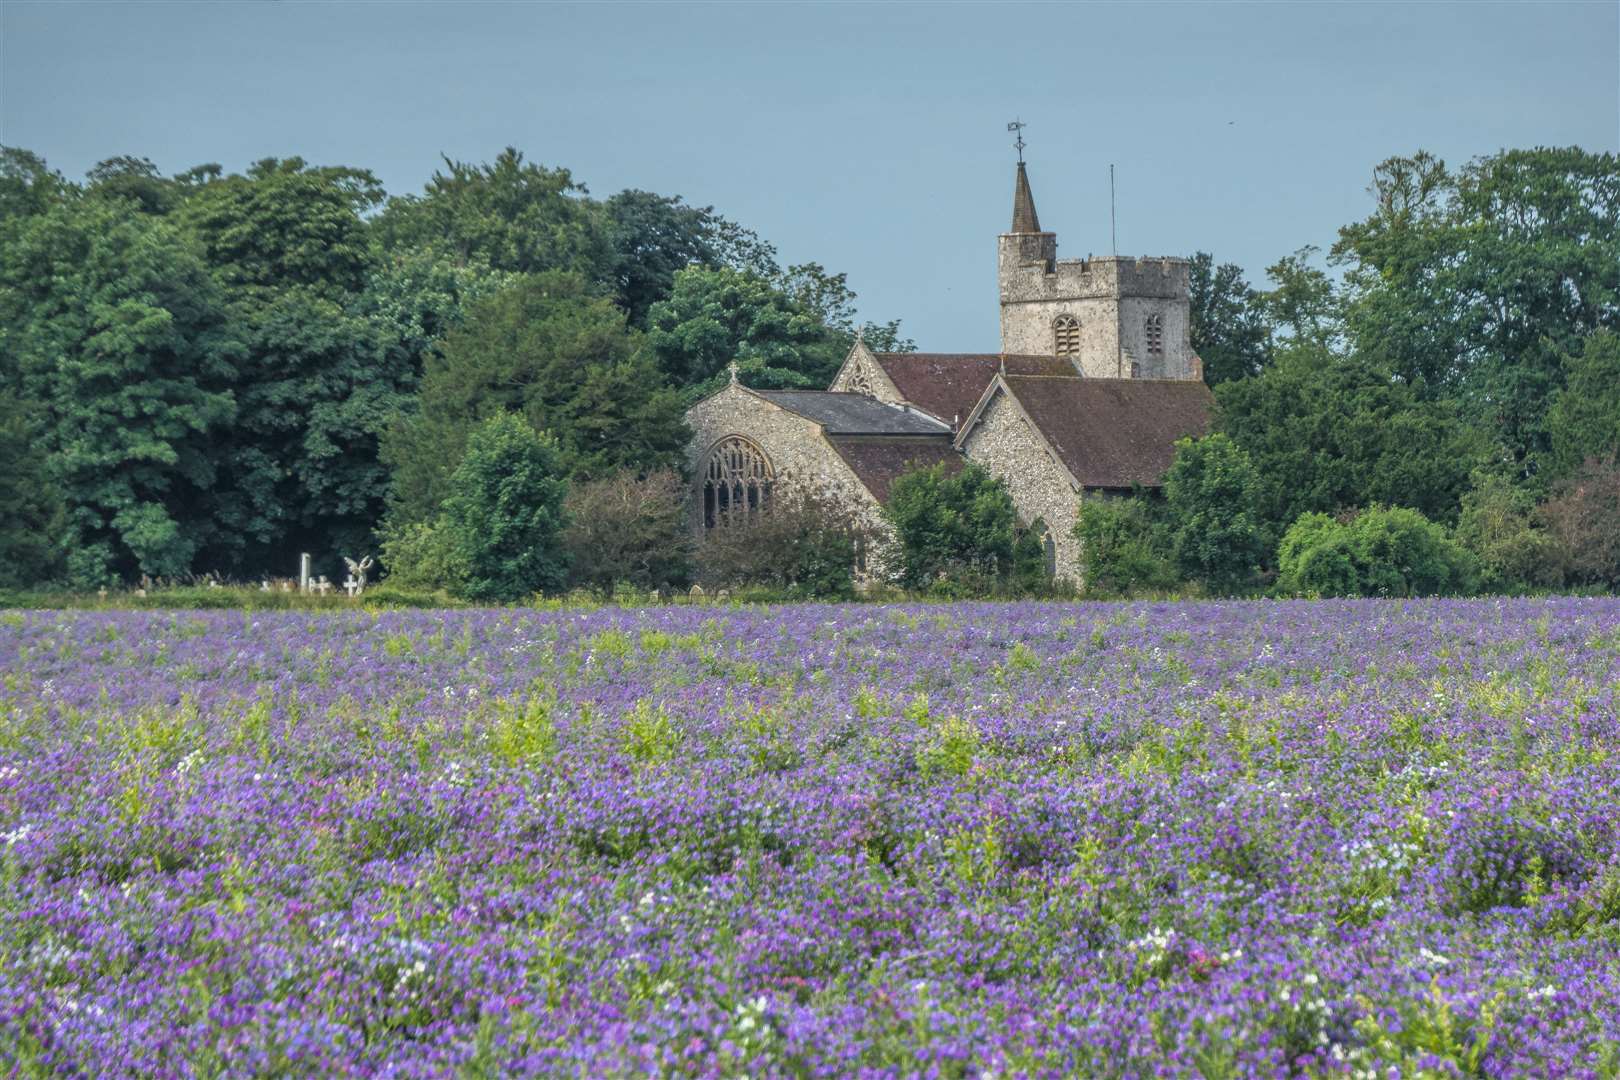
(879, 459)
(950, 384)
(852, 414)
(1113, 433)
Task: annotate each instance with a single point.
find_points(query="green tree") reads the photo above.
(510, 215)
(1480, 281)
(1381, 551)
(28, 187)
(118, 334)
(1325, 433)
(1303, 307)
(284, 224)
(653, 237)
(714, 317)
(1498, 524)
(1584, 421)
(549, 348)
(1124, 549)
(33, 520)
(505, 519)
(1212, 494)
(960, 527)
(1229, 329)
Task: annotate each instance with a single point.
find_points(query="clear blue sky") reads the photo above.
(869, 138)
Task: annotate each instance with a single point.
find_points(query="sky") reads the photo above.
(869, 138)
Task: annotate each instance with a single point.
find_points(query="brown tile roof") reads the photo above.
(950, 384)
(879, 459)
(1112, 433)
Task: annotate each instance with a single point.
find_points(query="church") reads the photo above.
(1095, 381)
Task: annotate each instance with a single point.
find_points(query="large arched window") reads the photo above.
(1066, 335)
(1153, 328)
(736, 482)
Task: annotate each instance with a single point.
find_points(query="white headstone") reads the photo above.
(352, 586)
(303, 572)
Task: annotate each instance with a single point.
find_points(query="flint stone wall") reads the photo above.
(1005, 443)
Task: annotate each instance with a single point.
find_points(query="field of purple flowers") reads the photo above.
(1372, 838)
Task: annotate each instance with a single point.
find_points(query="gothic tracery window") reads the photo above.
(736, 482)
(1154, 331)
(1066, 335)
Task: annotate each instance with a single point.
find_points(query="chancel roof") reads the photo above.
(853, 414)
(879, 461)
(948, 385)
(1114, 433)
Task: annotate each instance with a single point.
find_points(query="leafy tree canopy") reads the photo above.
(1212, 492)
(505, 517)
(1229, 328)
(509, 214)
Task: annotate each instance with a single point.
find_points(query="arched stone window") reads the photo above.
(1153, 329)
(1066, 335)
(736, 482)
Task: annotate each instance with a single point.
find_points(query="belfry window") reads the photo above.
(1153, 329)
(1066, 336)
(736, 483)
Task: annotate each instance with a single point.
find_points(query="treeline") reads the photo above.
(209, 372)
(1442, 416)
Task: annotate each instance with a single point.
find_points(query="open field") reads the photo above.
(1044, 839)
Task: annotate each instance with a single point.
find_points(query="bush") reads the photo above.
(804, 547)
(422, 556)
(1377, 552)
(1123, 550)
(1498, 525)
(1583, 517)
(1212, 493)
(961, 532)
(505, 517)
(629, 530)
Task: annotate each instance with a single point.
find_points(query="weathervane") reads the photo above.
(1017, 128)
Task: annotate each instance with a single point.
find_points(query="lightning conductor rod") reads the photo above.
(1113, 217)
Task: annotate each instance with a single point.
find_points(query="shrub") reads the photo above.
(961, 530)
(1498, 525)
(805, 547)
(1122, 549)
(629, 529)
(1583, 517)
(505, 515)
(1376, 552)
(422, 556)
(1212, 493)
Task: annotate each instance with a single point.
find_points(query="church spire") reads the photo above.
(1024, 219)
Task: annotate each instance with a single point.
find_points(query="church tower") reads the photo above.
(1113, 318)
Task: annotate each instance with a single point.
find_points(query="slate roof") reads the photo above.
(879, 460)
(1113, 433)
(853, 414)
(948, 385)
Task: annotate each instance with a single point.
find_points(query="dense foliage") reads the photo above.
(503, 521)
(1348, 838)
(219, 370)
(958, 532)
(1380, 551)
(223, 369)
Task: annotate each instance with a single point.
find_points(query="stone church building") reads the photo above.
(1095, 381)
